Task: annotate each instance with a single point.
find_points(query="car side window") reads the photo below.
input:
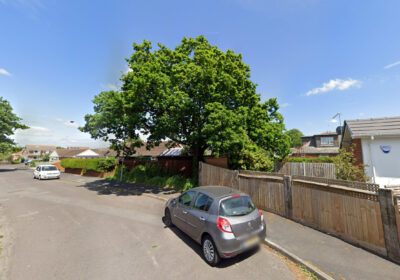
(202, 202)
(186, 198)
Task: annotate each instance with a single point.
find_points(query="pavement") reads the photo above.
(331, 255)
(85, 228)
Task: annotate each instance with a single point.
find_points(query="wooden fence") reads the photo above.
(361, 214)
(310, 169)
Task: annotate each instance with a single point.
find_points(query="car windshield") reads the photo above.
(49, 168)
(236, 206)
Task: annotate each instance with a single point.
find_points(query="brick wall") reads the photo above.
(358, 151)
(220, 162)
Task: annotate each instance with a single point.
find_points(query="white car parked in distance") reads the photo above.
(46, 172)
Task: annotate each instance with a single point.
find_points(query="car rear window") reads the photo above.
(236, 206)
(49, 168)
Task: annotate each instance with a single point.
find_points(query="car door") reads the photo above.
(198, 215)
(182, 208)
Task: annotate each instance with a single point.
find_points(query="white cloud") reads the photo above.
(334, 121)
(284, 105)
(361, 114)
(336, 84)
(38, 128)
(4, 72)
(392, 65)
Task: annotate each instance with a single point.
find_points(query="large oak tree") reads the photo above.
(196, 95)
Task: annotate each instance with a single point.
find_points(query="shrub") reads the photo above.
(347, 169)
(316, 159)
(154, 175)
(96, 164)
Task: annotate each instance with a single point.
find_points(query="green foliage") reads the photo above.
(196, 95)
(154, 175)
(9, 122)
(46, 157)
(315, 159)
(347, 169)
(32, 164)
(295, 137)
(96, 164)
(251, 157)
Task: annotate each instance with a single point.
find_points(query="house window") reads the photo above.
(326, 141)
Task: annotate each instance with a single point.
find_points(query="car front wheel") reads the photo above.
(210, 252)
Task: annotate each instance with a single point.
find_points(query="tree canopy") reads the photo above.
(295, 137)
(196, 95)
(9, 122)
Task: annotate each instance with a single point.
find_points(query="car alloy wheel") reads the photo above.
(210, 252)
(208, 249)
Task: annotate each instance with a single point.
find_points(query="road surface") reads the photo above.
(63, 229)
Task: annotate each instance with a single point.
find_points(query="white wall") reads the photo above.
(384, 169)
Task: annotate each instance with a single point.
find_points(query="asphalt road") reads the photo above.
(63, 229)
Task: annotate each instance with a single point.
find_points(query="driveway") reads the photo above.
(68, 229)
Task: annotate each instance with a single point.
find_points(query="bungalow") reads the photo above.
(377, 146)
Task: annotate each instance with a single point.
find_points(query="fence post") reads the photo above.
(287, 192)
(200, 176)
(388, 213)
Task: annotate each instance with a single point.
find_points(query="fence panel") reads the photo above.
(266, 192)
(310, 169)
(353, 215)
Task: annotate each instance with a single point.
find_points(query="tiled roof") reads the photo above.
(374, 127)
(307, 149)
(153, 152)
(40, 147)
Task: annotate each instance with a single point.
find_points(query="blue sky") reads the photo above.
(317, 57)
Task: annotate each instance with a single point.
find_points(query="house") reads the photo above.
(325, 144)
(36, 151)
(377, 145)
(163, 149)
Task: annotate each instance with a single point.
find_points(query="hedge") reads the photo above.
(95, 164)
(314, 159)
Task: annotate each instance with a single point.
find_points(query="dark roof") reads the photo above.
(105, 152)
(153, 152)
(374, 127)
(218, 191)
(308, 149)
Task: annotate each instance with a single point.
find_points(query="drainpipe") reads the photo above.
(371, 161)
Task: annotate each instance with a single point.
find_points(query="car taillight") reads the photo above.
(224, 225)
(262, 216)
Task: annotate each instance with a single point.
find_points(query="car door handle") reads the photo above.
(202, 219)
(184, 212)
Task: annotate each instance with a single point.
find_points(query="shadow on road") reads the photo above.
(7, 169)
(197, 248)
(105, 187)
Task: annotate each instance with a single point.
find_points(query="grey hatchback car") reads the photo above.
(223, 220)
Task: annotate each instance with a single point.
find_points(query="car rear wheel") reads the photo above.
(210, 252)
(167, 218)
